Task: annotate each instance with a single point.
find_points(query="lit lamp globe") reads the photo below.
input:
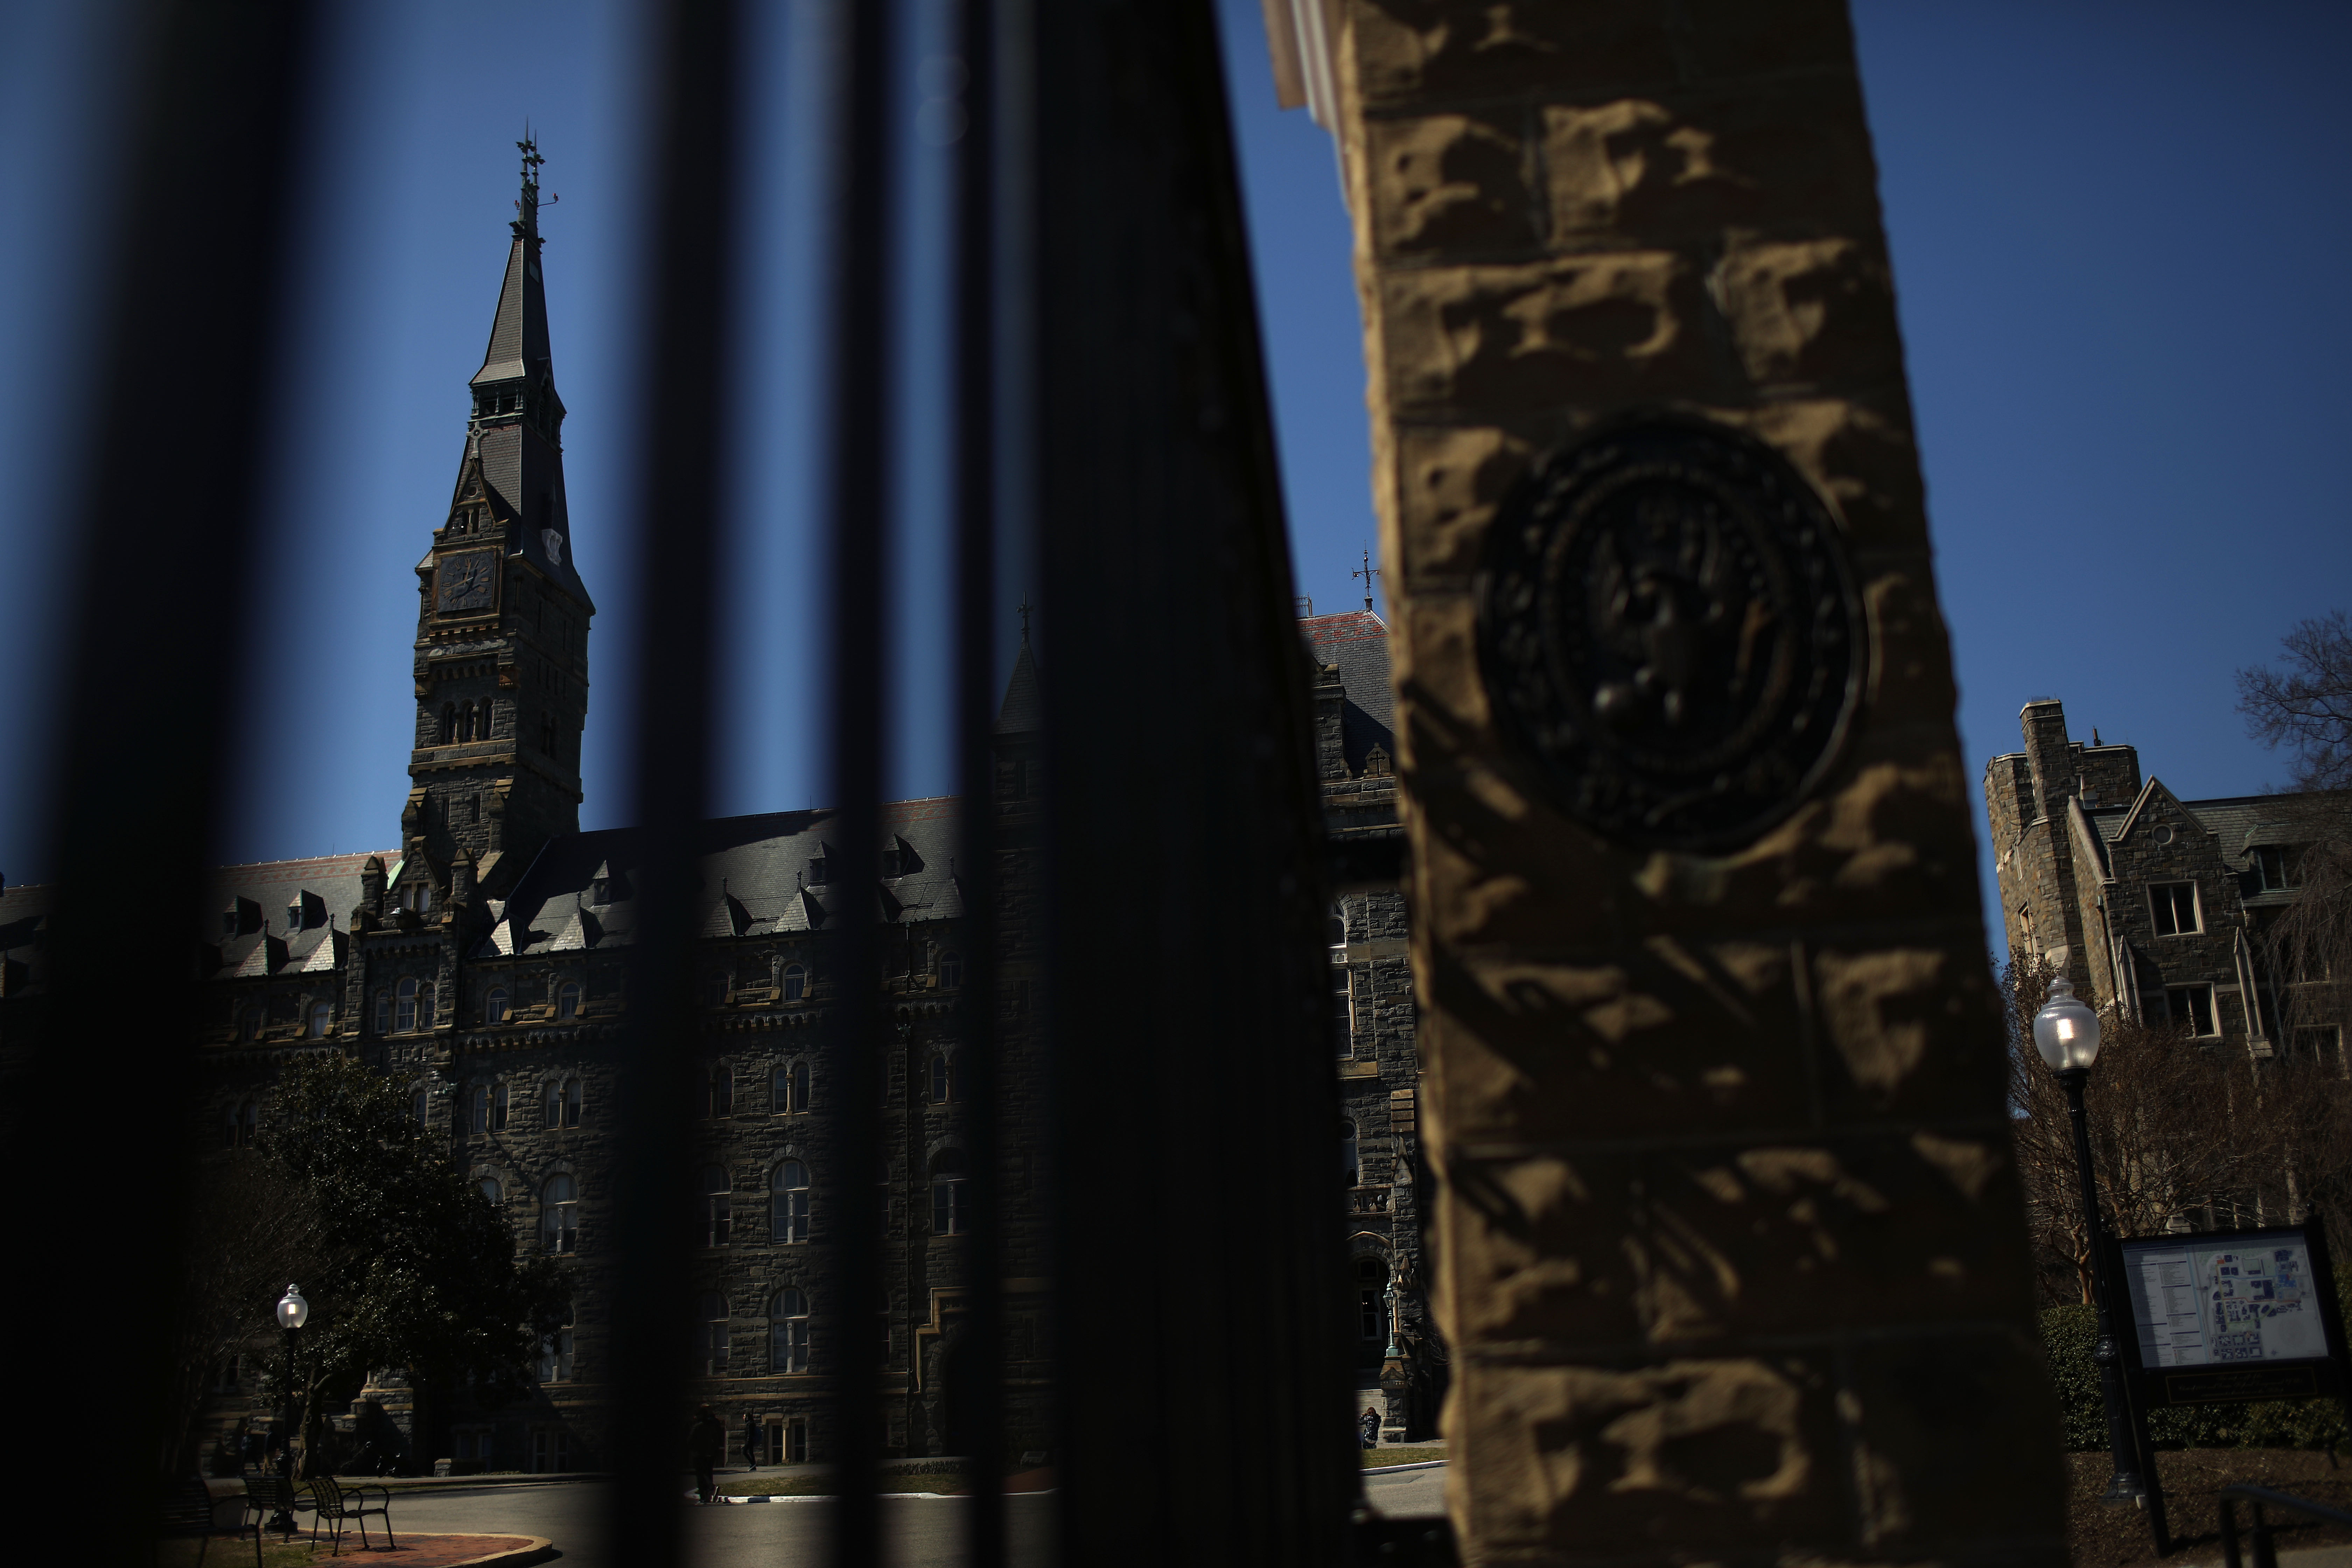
(293, 1311)
(2066, 1031)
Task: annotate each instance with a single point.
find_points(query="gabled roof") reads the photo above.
(2238, 821)
(1358, 642)
(753, 875)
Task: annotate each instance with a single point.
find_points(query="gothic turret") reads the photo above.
(502, 617)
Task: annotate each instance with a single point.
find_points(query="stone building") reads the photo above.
(2155, 905)
(1373, 1025)
(484, 959)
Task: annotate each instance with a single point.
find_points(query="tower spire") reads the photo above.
(526, 220)
(502, 657)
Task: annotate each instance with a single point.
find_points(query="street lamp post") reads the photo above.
(2066, 1033)
(293, 1311)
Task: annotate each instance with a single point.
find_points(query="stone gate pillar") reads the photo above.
(1730, 1245)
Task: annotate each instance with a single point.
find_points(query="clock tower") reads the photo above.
(501, 661)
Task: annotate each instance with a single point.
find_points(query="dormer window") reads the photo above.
(294, 915)
(2275, 867)
(229, 921)
(890, 861)
(600, 891)
(816, 872)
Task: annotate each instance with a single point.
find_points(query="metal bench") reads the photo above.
(188, 1511)
(2264, 1554)
(334, 1505)
(273, 1498)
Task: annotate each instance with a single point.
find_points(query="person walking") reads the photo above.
(706, 1442)
(1367, 1427)
(750, 1440)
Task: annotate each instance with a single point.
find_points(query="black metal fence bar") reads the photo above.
(689, 278)
(1182, 828)
(858, 510)
(977, 1418)
(197, 236)
(1184, 832)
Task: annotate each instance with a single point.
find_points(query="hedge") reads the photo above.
(2069, 1332)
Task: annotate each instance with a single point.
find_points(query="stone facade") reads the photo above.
(483, 962)
(1374, 1029)
(1729, 1248)
(2155, 906)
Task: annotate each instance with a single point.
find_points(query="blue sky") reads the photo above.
(2117, 231)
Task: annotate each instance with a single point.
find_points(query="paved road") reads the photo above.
(922, 1533)
(1408, 1492)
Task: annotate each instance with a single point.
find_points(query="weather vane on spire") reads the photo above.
(526, 223)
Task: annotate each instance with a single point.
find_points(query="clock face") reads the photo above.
(469, 582)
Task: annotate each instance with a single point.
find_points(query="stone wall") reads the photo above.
(1730, 1250)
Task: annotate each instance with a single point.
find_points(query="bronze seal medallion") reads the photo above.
(1669, 632)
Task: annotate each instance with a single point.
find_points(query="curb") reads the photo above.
(835, 1497)
(1400, 1470)
(532, 1547)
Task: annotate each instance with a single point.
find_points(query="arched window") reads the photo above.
(789, 1202)
(718, 1206)
(495, 1006)
(499, 1103)
(1349, 1153)
(951, 1206)
(944, 1087)
(950, 969)
(321, 1014)
(243, 1125)
(555, 1352)
(405, 1018)
(788, 1088)
(421, 1105)
(795, 983)
(572, 1102)
(567, 1000)
(249, 1019)
(1372, 1307)
(425, 1004)
(448, 722)
(788, 1332)
(492, 1191)
(711, 1331)
(718, 1092)
(558, 1214)
(478, 1108)
(383, 1012)
(1335, 927)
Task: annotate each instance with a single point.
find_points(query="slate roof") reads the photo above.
(267, 941)
(1358, 642)
(518, 344)
(2238, 821)
(754, 879)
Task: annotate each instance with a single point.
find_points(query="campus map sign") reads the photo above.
(2194, 1303)
(2250, 1310)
